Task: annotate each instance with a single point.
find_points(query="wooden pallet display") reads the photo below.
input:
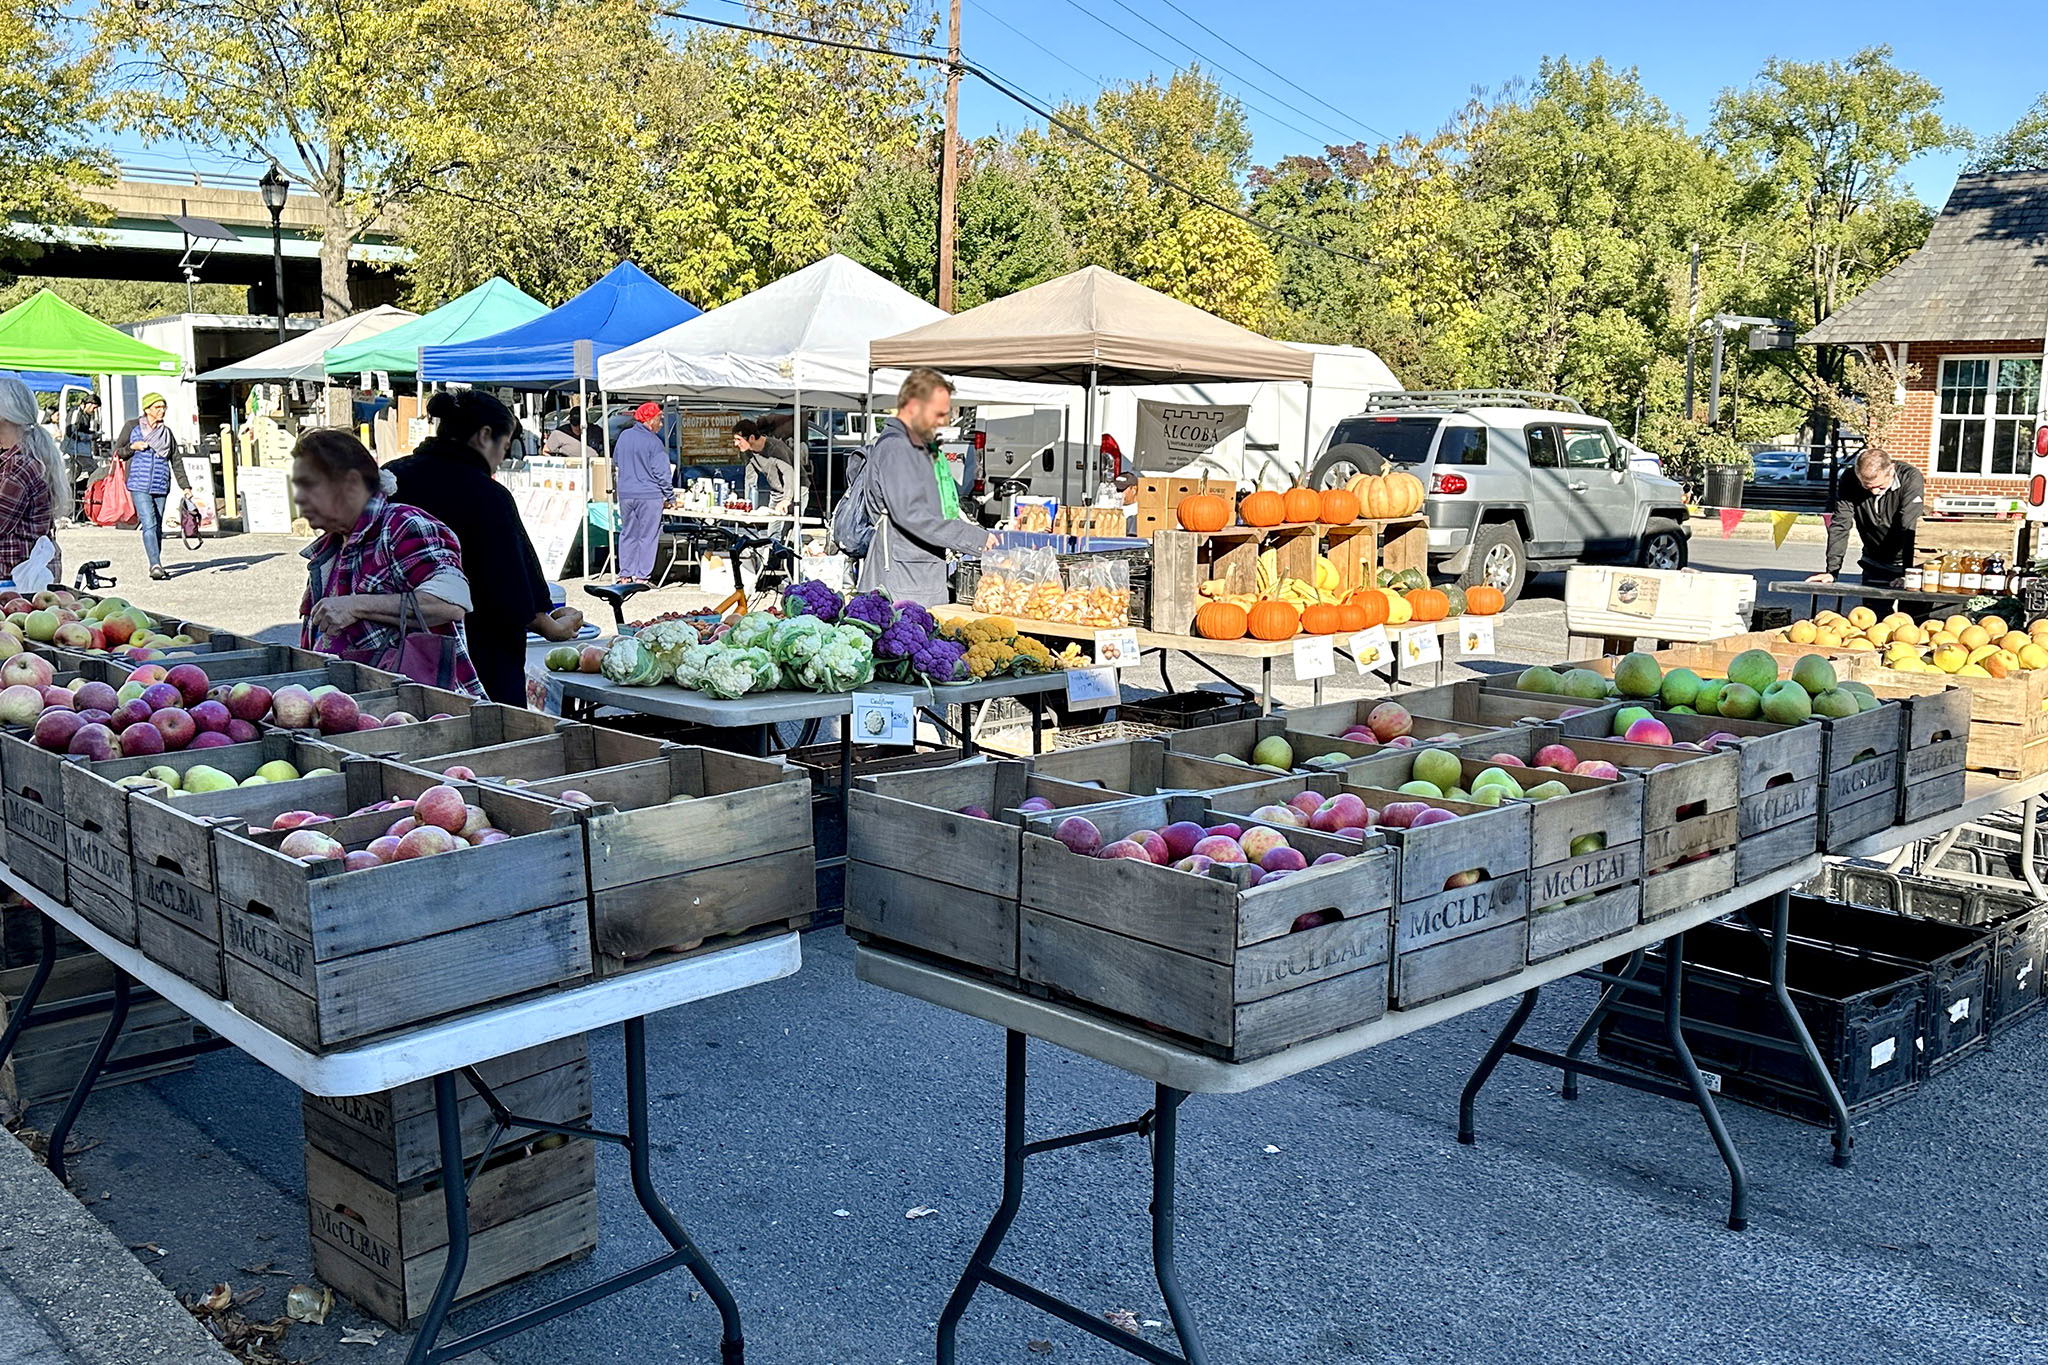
(1202, 957)
(98, 834)
(1184, 560)
(693, 846)
(925, 876)
(326, 956)
(375, 1211)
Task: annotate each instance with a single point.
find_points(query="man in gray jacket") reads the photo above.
(914, 500)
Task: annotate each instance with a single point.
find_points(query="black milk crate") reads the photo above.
(1957, 959)
(2019, 955)
(1189, 710)
(1864, 1016)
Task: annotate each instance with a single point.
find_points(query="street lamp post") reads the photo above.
(275, 188)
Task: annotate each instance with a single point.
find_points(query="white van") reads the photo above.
(1281, 436)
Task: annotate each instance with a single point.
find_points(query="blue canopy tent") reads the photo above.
(626, 306)
(48, 381)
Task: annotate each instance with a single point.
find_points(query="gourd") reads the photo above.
(1303, 504)
(1274, 621)
(1339, 507)
(1203, 512)
(1428, 604)
(1263, 508)
(1321, 618)
(1373, 604)
(1399, 613)
(1485, 601)
(1455, 596)
(1221, 621)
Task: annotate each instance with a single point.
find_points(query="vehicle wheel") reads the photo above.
(1497, 561)
(1664, 545)
(1341, 464)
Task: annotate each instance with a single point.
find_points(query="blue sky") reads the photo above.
(1376, 68)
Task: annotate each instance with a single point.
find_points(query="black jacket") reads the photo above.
(452, 482)
(1884, 522)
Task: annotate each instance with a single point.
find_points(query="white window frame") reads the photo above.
(1985, 419)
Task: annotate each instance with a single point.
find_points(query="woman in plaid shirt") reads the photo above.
(32, 493)
(372, 552)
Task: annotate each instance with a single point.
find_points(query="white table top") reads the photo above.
(1982, 794)
(1150, 1056)
(444, 1046)
(772, 708)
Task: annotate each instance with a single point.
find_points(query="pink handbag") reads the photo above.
(420, 654)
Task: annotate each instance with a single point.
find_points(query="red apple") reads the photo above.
(207, 739)
(248, 701)
(162, 694)
(54, 729)
(97, 695)
(1307, 802)
(241, 732)
(1506, 761)
(191, 680)
(148, 674)
(384, 846)
(1126, 848)
(141, 741)
(1558, 756)
(32, 669)
(211, 715)
(291, 706)
(1343, 811)
(1389, 719)
(54, 695)
(1432, 815)
(177, 726)
(1281, 858)
(1228, 831)
(310, 845)
(361, 859)
(1181, 837)
(425, 842)
(1154, 846)
(1080, 835)
(1220, 848)
(443, 806)
(1401, 814)
(337, 713)
(93, 743)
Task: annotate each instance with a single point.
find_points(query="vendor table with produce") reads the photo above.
(1865, 592)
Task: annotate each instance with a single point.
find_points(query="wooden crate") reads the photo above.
(574, 748)
(1451, 938)
(1147, 767)
(2012, 745)
(417, 700)
(32, 779)
(1469, 702)
(1778, 787)
(487, 724)
(325, 956)
(221, 665)
(392, 1137)
(1202, 957)
(1690, 822)
(1183, 560)
(1235, 740)
(530, 1209)
(1335, 717)
(177, 905)
(1859, 774)
(1359, 551)
(97, 833)
(48, 1058)
(924, 876)
(1159, 498)
(666, 874)
(1934, 743)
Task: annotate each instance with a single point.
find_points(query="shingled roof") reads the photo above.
(1982, 276)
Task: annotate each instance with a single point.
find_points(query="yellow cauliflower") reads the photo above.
(986, 658)
(1035, 654)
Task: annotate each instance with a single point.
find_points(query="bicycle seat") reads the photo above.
(742, 541)
(614, 595)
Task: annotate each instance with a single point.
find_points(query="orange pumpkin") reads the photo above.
(1404, 493)
(1320, 618)
(1484, 601)
(1263, 508)
(1351, 617)
(1221, 621)
(1274, 620)
(1429, 604)
(1369, 601)
(1339, 507)
(1203, 512)
(1303, 504)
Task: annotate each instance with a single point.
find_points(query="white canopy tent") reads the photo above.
(304, 356)
(803, 340)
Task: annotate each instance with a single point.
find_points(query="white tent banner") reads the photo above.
(1174, 435)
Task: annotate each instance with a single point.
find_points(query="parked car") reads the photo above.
(1783, 466)
(1516, 482)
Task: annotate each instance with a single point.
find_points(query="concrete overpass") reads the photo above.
(138, 242)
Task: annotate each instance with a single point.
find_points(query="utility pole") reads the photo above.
(949, 159)
(1692, 324)
(1714, 394)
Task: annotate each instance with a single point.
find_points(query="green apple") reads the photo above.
(1543, 791)
(1421, 788)
(200, 778)
(1492, 794)
(277, 770)
(1589, 843)
(320, 772)
(1275, 752)
(1498, 777)
(1437, 767)
(170, 777)
(254, 781)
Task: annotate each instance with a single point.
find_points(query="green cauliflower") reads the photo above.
(755, 630)
(844, 660)
(736, 672)
(690, 665)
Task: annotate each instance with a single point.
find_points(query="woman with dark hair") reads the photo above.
(371, 555)
(448, 476)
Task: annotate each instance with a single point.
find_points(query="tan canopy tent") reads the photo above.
(1093, 328)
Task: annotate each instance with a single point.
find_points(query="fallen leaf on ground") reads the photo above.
(1122, 1317)
(920, 1212)
(842, 1213)
(263, 1268)
(362, 1336)
(1038, 1347)
(304, 1303)
(215, 1300)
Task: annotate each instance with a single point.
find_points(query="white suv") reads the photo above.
(1517, 482)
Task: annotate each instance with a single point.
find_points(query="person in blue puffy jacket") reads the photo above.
(152, 454)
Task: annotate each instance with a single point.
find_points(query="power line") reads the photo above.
(1284, 80)
(1212, 62)
(1037, 107)
(1097, 81)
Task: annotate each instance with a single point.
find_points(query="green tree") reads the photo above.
(47, 107)
(1192, 140)
(118, 301)
(1008, 235)
(2022, 147)
(1819, 147)
(335, 92)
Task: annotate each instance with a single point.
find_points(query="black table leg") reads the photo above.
(25, 1003)
(1674, 1034)
(638, 1142)
(117, 1019)
(1845, 1137)
(1484, 1071)
(1037, 703)
(1610, 996)
(1161, 1125)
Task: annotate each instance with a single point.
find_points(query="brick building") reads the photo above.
(1968, 313)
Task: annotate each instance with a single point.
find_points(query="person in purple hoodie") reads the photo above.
(644, 476)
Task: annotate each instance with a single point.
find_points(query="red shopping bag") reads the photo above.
(106, 501)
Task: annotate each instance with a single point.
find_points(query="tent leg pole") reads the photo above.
(583, 408)
(1308, 431)
(1092, 443)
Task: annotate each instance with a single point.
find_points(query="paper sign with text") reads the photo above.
(1116, 648)
(884, 718)
(1420, 645)
(1371, 650)
(1091, 687)
(1475, 637)
(1315, 656)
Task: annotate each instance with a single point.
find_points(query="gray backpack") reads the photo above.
(856, 518)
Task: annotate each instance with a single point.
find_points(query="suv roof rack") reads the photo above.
(1459, 399)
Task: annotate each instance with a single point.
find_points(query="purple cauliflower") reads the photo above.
(812, 598)
(938, 659)
(901, 640)
(872, 610)
(915, 613)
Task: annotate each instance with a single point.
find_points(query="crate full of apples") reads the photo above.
(1243, 937)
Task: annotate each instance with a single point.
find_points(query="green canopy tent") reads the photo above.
(46, 333)
(486, 310)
